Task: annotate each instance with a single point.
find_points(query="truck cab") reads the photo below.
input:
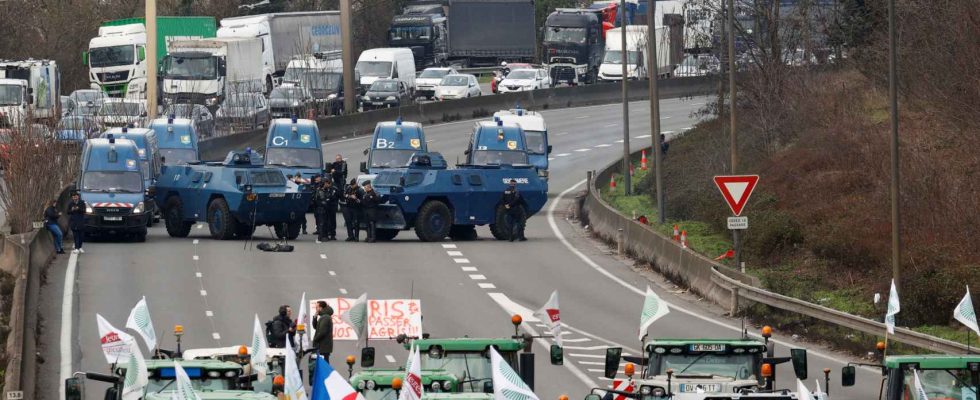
(375, 383)
(535, 133)
(14, 99)
(392, 146)
(112, 185)
(497, 143)
(424, 34)
(293, 145)
(30, 87)
(116, 60)
(148, 149)
(942, 376)
(207, 71)
(177, 140)
(573, 45)
(636, 46)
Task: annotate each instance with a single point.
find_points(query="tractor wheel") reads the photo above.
(462, 232)
(433, 221)
(220, 221)
(174, 218)
(385, 234)
(288, 231)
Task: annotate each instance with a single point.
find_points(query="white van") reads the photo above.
(387, 63)
(636, 43)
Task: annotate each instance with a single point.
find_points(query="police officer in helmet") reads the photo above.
(350, 204)
(514, 205)
(326, 208)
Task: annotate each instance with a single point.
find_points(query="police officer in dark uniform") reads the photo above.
(315, 183)
(326, 209)
(350, 204)
(369, 205)
(513, 202)
(338, 171)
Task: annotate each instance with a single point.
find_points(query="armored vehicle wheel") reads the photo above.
(173, 219)
(433, 221)
(289, 230)
(462, 232)
(220, 221)
(385, 234)
(501, 229)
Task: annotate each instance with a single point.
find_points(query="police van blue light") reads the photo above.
(112, 185)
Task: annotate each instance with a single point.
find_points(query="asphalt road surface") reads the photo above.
(213, 288)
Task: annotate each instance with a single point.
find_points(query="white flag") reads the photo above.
(549, 314)
(412, 384)
(356, 316)
(507, 384)
(893, 308)
(115, 343)
(965, 313)
(653, 309)
(259, 346)
(802, 393)
(183, 389)
(136, 374)
(294, 389)
(139, 321)
(920, 392)
(303, 317)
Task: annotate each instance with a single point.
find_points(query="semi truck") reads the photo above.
(29, 88)
(116, 57)
(466, 32)
(205, 71)
(574, 42)
(285, 36)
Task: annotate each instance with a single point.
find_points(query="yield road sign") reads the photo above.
(738, 222)
(736, 189)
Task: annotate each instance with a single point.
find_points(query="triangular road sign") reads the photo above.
(736, 189)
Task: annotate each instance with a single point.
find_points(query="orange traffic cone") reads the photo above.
(643, 160)
(684, 239)
(612, 182)
(677, 234)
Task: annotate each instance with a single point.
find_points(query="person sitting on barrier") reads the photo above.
(51, 215)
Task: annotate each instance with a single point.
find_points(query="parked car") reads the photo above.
(523, 79)
(385, 93)
(67, 106)
(429, 79)
(87, 101)
(458, 86)
(122, 112)
(77, 128)
(247, 110)
(284, 102)
(203, 120)
(692, 65)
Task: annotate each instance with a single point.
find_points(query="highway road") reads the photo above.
(213, 288)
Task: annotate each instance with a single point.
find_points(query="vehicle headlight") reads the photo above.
(528, 87)
(435, 386)
(360, 385)
(391, 98)
(366, 98)
(230, 374)
(658, 392)
(331, 96)
(88, 209)
(138, 209)
(646, 390)
(214, 374)
(369, 385)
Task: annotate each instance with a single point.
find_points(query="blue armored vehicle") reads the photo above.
(233, 196)
(177, 138)
(293, 145)
(111, 183)
(535, 135)
(149, 152)
(392, 146)
(439, 202)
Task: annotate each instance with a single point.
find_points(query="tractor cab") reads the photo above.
(239, 354)
(381, 384)
(940, 376)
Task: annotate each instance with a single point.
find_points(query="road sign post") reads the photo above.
(736, 190)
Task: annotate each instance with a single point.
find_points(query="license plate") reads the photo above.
(377, 103)
(277, 195)
(700, 387)
(707, 347)
(113, 218)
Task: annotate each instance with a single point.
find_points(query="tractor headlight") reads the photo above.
(231, 374)
(435, 386)
(369, 385)
(360, 385)
(658, 392)
(214, 374)
(645, 390)
(139, 208)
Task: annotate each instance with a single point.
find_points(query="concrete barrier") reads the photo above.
(477, 107)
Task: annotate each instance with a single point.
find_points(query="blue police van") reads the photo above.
(149, 158)
(392, 146)
(497, 143)
(293, 145)
(535, 133)
(177, 139)
(112, 185)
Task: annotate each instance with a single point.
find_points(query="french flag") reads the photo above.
(334, 386)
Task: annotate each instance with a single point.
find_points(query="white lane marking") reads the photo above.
(582, 150)
(562, 134)
(67, 311)
(455, 253)
(390, 358)
(332, 273)
(667, 117)
(507, 305)
(620, 141)
(469, 269)
(667, 132)
(587, 348)
(216, 336)
(478, 277)
(323, 256)
(195, 258)
(486, 286)
(204, 292)
(609, 125)
(449, 246)
(577, 340)
(563, 155)
(603, 145)
(209, 313)
(196, 241)
(198, 274)
(588, 261)
(461, 260)
(581, 355)
(551, 158)
(641, 137)
(343, 291)
(592, 363)
(582, 117)
(688, 128)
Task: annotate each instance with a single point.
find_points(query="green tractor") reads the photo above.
(383, 384)
(944, 377)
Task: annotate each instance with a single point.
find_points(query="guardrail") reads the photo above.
(720, 284)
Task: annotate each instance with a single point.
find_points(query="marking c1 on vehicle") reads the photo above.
(280, 141)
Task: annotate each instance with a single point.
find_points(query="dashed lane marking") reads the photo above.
(641, 137)
(332, 273)
(478, 277)
(343, 291)
(469, 269)
(390, 358)
(198, 275)
(196, 241)
(449, 246)
(563, 155)
(562, 134)
(204, 292)
(582, 150)
(195, 258)
(486, 286)
(216, 336)
(603, 145)
(551, 158)
(323, 256)
(455, 253)
(461, 260)
(209, 313)
(609, 125)
(620, 141)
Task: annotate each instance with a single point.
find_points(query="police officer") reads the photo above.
(298, 180)
(369, 205)
(350, 205)
(338, 171)
(326, 210)
(315, 184)
(513, 202)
